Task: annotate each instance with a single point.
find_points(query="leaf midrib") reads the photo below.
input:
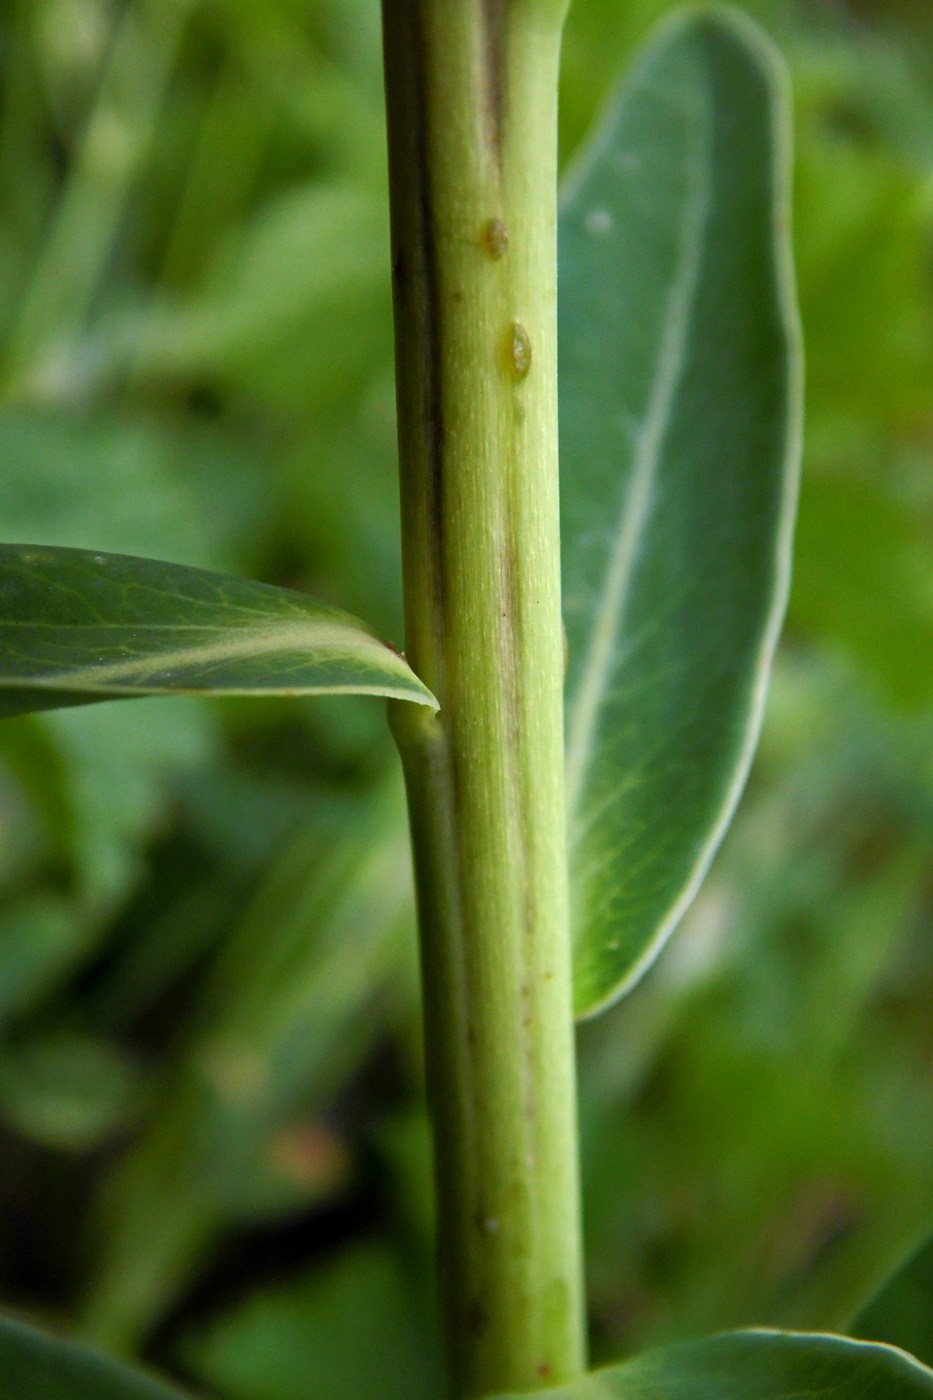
(281, 637)
(639, 491)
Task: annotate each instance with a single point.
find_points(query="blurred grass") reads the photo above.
(210, 1090)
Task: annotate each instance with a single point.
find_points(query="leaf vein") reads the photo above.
(639, 490)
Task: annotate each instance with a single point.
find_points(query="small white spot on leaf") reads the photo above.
(599, 222)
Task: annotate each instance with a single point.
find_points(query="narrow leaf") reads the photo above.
(36, 1367)
(77, 626)
(680, 408)
(759, 1366)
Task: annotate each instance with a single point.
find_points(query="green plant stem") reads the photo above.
(471, 95)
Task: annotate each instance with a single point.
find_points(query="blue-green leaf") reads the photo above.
(759, 1366)
(77, 626)
(680, 407)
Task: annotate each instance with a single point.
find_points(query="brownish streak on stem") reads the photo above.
(427, 270)
(417, 289)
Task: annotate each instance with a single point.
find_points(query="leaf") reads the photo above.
(759, 1366)
(298, 996)
(76, 626)
(902, 1312)
(268, 1346)
(125, 483)
(117, 765)
(314, 256)
(40, 941)
(70, 1092)
(36, 1367)
(680, 410)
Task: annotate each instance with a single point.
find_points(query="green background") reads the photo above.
(213, 1152)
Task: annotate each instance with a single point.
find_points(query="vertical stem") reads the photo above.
(471, 95)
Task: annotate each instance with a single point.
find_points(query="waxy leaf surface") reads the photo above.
(679, 447)
(759, 1366)
(77, 626)
(36, 1367)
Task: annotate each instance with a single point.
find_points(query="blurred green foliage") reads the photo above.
(213, 1144)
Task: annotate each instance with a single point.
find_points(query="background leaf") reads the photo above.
(302, 1341)
(36, 1367)
(902, 1312)
(237, 1133)
(68, 1091)
(78, 626)
(760, 1366)
(679, 441)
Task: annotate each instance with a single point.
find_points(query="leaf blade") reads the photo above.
(78, 626)
(901, 1312)
(34, 1366)
(759, 1365)
(677, 317)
